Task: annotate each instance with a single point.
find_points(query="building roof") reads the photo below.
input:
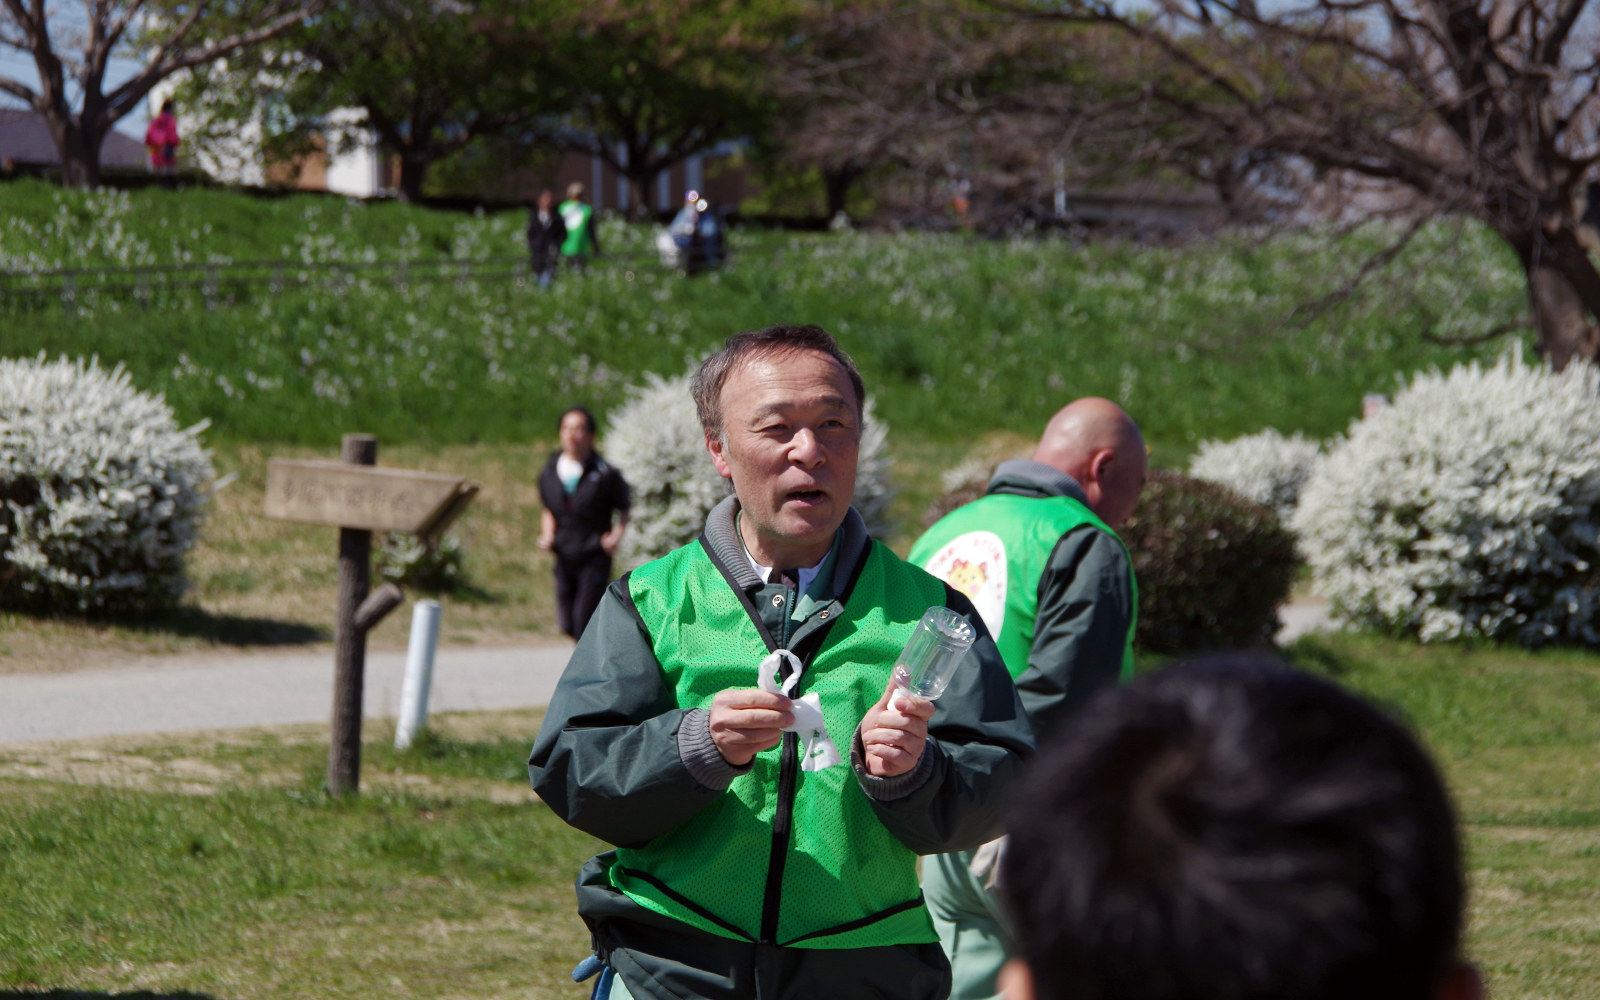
(25, 140)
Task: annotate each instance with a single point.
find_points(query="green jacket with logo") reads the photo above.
(767, 880)
(1053, 582)
(581, 241)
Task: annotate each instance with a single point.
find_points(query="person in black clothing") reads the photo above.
(1232, 827)
(581, 492)
(546, 233)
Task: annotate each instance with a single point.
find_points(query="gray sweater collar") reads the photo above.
(723, 534)
(1025, 477)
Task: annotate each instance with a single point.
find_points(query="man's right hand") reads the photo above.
(744, 723)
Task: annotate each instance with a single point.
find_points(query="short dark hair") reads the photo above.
(714, 371)
(1231, 827)
(588, 418)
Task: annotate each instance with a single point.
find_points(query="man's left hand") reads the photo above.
(894, 732)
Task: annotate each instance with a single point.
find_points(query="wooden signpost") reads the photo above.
(358, 498)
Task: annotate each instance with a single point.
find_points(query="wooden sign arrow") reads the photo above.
(367, 497)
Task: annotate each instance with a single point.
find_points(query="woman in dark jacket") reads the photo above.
(581, 493)
(546, 233)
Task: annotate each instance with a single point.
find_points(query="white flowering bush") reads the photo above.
(100, 490)
(1466, 508)
(403, 558)
(655, 440)
(1267, 468)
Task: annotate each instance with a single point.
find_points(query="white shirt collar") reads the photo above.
(806, 574)
(566, 467)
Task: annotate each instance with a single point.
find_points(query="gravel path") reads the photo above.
(221, 692)
(1301, 617)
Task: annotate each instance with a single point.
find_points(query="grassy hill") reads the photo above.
(954, 334)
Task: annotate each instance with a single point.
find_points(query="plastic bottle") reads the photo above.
(936, 648)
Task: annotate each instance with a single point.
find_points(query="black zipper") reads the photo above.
(789, 756)
(783, 815)
(782, 824)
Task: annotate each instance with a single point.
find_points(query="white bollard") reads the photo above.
(419, 673)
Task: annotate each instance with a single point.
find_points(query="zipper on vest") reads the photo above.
(782, 824)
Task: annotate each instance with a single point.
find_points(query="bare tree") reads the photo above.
(72, 58)
(1482, 108)
(929, 99)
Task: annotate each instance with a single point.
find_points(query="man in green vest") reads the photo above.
(583, 238)
(1040, 559)
(729, 723)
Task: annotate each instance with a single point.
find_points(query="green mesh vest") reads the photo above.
(994, 550)
(785, 856)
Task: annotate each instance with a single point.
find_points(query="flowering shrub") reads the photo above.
(1466, 508)
(656, 442)
(1267, 468)
(405, 558)
(1212, 566)
(100, 491)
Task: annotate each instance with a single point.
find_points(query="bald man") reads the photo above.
(1039, 557)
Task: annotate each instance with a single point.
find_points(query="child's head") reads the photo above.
(1232, 828)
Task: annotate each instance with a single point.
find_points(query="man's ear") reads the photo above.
(1015, 981)
(1100, 464)
(718, 458)
(1463, 982)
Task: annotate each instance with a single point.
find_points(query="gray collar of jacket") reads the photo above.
(1025, 477)
(723, 534)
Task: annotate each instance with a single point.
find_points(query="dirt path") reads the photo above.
(221, 692)
(1301, 617)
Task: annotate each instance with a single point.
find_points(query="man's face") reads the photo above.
(790, 437)
(576, 440)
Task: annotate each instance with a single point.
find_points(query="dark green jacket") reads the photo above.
(617, 758)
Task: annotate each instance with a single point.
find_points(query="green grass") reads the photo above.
(216, 866)
(954, 335)
(262, 887)
(1517, 735)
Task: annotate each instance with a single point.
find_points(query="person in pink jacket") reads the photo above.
(161, 138)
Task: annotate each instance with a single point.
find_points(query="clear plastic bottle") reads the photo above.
(936, 648)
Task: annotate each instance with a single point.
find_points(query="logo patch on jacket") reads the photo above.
(975, 564)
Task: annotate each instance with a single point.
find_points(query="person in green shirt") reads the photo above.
(1040, 559)
(583, 236)
(729, 722)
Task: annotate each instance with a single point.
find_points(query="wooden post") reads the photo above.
(359, 498)
(349, 639)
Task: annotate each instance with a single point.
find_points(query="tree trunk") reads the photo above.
(639, 194)
(836, 184)
(1563, 292)
(80, 157)
(1558, 314)
(413, 169)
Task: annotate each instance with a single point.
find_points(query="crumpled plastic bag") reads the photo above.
(818, 751)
